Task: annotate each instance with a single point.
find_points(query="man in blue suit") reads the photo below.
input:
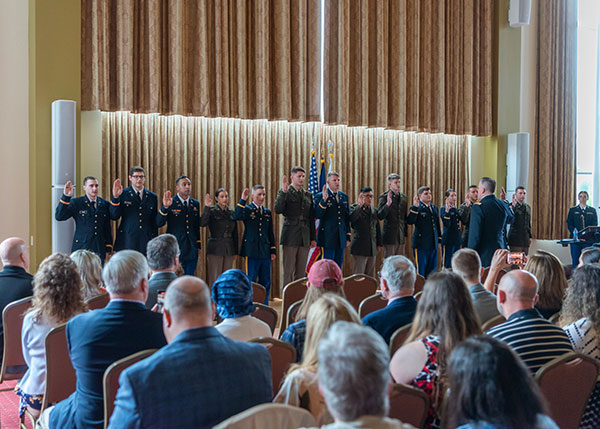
(427, 235)
(201, 378)
(98, 338)
(333, 211)
(397, 281)
(258, 241)
(489, 217)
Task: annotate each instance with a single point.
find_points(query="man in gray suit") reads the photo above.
(466, 263)
(163, 258)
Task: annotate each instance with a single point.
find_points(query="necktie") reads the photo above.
(140, 193)
(94, 205)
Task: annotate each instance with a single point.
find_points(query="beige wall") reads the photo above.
(14, 119)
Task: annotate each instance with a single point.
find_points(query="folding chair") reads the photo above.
(266, 314)
(282, 356)
(13, 362)
(398, 338)
(372, 303)
(357, 287)
(290, 317)
(419, 284)
(408, 404)
(269, 416)
(293, 292)
(98, 302)
(494, 321)
(259, 293)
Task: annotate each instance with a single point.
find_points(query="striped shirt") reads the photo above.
(536, 340)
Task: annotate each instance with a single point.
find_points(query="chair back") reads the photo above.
(484, 273)
(259, 293)
(499, 276)
(60, 375)
(567, 383)
(494, 321)
(554, 318)
(269, 415)
(98, 302)
(110, 381)
(358, 287)
(418, 295)
(266, 314)
(398, 338)
(408, 404)
(292, 292)
(419, 284)
(290, 317)
(13, 362)
(372, 303)
(282, 356)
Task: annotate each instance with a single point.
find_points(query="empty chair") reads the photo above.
(567, 382)
(110, 382)
(266, 314)
(13, 363)
(97, 302)
(358, 287)
(292, 292)
(259, 293)
(269, 415)
(399, 337)
(372, 303)
(419, 284)
(409, 405)
(282, 356)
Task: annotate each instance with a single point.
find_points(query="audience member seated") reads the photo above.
(580, 318)
(15, 281)
(397, 282)
(98, 338)
(535, 339)
(354, 378)
(232, 294)
(466, 263)
(90, 270)
(324, 276)
(589, 255)
(490, 388)
(300, 387)
(552, 281)
(445, 317)
(163, 258)
(57, 296)
(201, 378)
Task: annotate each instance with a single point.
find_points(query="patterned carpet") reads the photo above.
(9, 407)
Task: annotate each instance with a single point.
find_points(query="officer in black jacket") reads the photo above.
(581, 216)
(427, 235)
(519, 234)
(93, 231)
(137, 208)
(182, 216)
(392, 208)
(451, 221)
(464, 211)
(366, 238)
(258, 241)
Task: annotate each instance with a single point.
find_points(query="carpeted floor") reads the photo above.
(9, 407)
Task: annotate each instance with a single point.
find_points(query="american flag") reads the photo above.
(313, 187)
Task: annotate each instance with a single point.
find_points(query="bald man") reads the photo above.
(536, 340)
(15, 281)
(201, 378)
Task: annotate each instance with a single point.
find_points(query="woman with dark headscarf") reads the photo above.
(232, 294)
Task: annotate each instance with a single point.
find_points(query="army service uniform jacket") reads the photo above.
(394, 218)
(334, 224)
(581, 218)
(427, 234)
(519, 233)
(367, 234)
(223, 240)
(258, 241)
(138, 219)
(451, 222)
(299, 224)
(184, 223)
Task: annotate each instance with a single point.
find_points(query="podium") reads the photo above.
(588, 235)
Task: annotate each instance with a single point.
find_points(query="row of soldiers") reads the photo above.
(340, 224)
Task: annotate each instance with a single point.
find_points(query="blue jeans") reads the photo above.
(448, 251)
(189, 267)
(426, 261)
(259, 271)
(576, 253)
(336, 255)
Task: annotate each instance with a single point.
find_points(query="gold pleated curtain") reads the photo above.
(236, 154)
(249, 59)
(415, 65)
(553, 146)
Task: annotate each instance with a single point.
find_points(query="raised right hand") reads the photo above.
(117, 188)
(467, 202)
(416, 201)
(69, 189)
(245, 194)
(167, 199)
(361, 200)
(389, 198)
(285, 185)
(325, 193)
(207, 200)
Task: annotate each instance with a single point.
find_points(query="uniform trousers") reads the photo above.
(335, 254)
(259, 271)
(576, 253)
(217, 265)
(364, 265)
(294, 263)
(426, 261)
(189, 267)
(448, 251)
(392, 249)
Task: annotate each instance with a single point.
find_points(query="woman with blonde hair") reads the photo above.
(57, 297)
(300, 387)
(90, 271)
(552, 281)
(445, 316)
(325, 276)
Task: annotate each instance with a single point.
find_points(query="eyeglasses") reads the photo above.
(136, 176)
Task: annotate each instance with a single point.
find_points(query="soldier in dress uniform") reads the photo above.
(333, 210)
(258, 241)
(581, 216)
(182, 216)
(92, 218)
(137, 208)
(464, 211)
(451, 220)
(298, 232)
(489, 217)
(222, 245)
(519, 234)
(392, 208)
(366, 238)
(427, 235)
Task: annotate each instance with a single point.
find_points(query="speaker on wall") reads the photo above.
(63, 168)
(519, 12)
(517, 162)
